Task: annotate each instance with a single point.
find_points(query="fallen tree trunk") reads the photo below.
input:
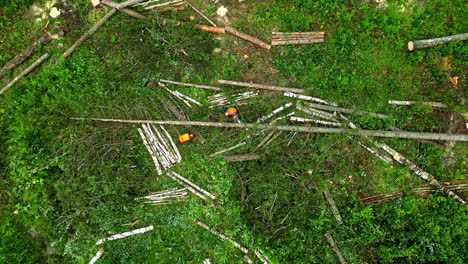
(426, 43)
(333, 207)
(335, 249)
(91, 31)
(192, 85)
(344, 110)
(433, 104)
(25, 54)
(125, 234)
(250, 39)
(125, 10)
(326, 130)
(25, 72)
(262, 86)
(222, 236)
(241, 157)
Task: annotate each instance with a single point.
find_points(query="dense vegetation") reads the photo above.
(64, 184)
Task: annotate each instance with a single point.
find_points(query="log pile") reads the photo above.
(125, 234)
(161, 147)
(292, 38)
(222, 100)
(182, 97)
(166, 196)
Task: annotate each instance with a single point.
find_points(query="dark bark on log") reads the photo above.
(25, 54)
(344, 110)
(25, 72)
(335, 249)
(426, 43)
(333, 207)
(242, 157)
(91, 31)
(326, 130)
(262, 86)
(192, 85)
(248, 38)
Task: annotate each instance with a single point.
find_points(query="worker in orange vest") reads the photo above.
(186, 138)
(232, 112)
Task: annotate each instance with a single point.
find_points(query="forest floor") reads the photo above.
(66, 184)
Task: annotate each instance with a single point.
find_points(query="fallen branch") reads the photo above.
(150, 150)
(266, 139)
(241, 157)
(316, 113)
(426, 43)
(125, 10)
(262, 86)
(196, 187)
(222, 236)
(274, 112)
(192, 85)
(169, 5)
(91, 31)
(190, 188)
(333, 207)
(433, 104)
(308, 98)
(326, 130)
(344, 110)
(261, 257)
(125, 234)
(25, 54)
(226, 150)
(124, 4)
(97, 256)
(250, 39)
(418, 171)
(310, 120)
(201, 13)
(25, 72)
(335, 249)
(296, 41)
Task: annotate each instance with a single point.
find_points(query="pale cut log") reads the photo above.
(198, 188)
(125, 10)
(433, 104)
(310, 120)
(250, 39)
(384, 158)
(332, 204)
(25, 54)
(335, 249)
(226, 150)
(191, 85)
(91, 31)
(241, 157)
(25, 72)
(169, 5)
(125, 234)
(161, 154)
(261, 256)
(426, 43)
(222, 236)
(174, 146)
(419, 172)
(295, 37)
(262, 86)
(344, 110)
(274, 112)
(201, 14)
(296, 41)
(165, 144)
(248, 259)
(177, 96)
(150, 150)
(308, 98)
(313, 33)
(316, 113)
(97, 256)
(187, 98)
(282, 117)
(326, 130)
(190, 188)
(206, 261)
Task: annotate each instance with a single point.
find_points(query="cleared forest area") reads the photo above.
(348, 147)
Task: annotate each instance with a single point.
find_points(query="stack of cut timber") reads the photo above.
(166, 196)
(221, 99)
(164, 155)
(291, 38)
(182, 97)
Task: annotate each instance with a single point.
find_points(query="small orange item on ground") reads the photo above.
(186, 137)
(232, 112)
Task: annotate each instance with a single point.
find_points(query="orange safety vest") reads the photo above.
(231, 111)
(184, 138)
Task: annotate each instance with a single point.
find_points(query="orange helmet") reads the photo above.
(231, 111)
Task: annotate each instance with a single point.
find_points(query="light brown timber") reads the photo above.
(241, 157)
(326, 130)
(296, 41)
(250, 39)
(426, 43)
(262, 86)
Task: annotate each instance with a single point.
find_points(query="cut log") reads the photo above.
(192, 85)
(250, 39)
(91, 31)
(25, 72)
(331, 203)
(308, 98)
(222, 236)
(241, 157)
(125, 10)
(344, 110)
(125, 234)
(169, 5)
(201, 14)
(335, 249)
(97, 256)
(426, 43)
(419, 172)
(226, 150)
(296, 41)
(359, 132)
(316, 113)
(261, 256)
(274, 112)
(433, 104)
(262, 86)
(124, 4)
(193, 185)
(309, 33)
(25, 54)
(316, 121)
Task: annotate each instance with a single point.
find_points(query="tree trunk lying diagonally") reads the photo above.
(426, 43)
